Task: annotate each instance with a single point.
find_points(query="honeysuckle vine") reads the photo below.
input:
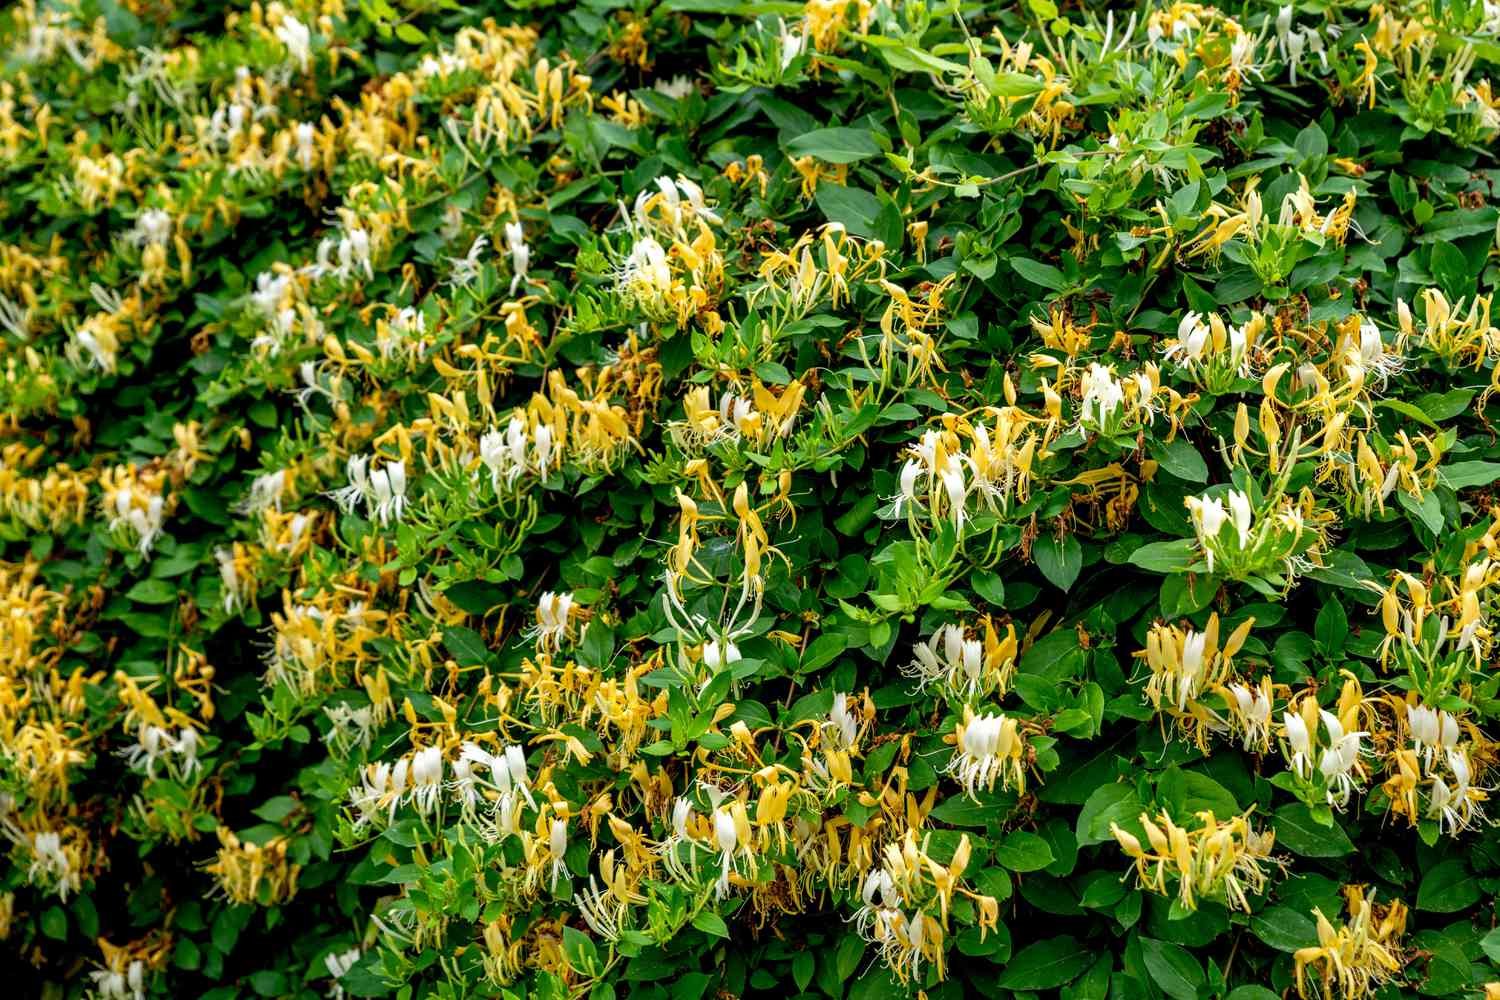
(698, 499)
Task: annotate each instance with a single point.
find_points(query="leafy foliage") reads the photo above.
(699, 498)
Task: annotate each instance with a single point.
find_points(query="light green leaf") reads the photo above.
(1176, 556)
(836, 145)
(1460, 475)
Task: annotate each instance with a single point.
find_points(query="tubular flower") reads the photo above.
(965, 668)
(988, 749)
(1187, 666)
(1351, 961)
(1208, 859)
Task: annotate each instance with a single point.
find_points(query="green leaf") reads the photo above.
(1113, 803)
(1022, 851)
(1284, 928)
(1059, 560)
(475, 596)
(803, 967)
(278, 808)
(854, 208)
(822, 651)
(990, 587)
(836, 145)
(55, 923)
(1447, 888)
(1166, 557)
(1191, 792)
(1038, 273)
(579, 949)
(1407, 410)
(1332, 628)
(465, 645)
(1460, 475)
(1172, 968)
(153, 592)
(711, 923)
(908, 59)
(1045, 965)
(846, 960)
(1490, 944)
(1007, 84)
(1297, 831)
(1181, 459)
(598, 646)
(1426, 510)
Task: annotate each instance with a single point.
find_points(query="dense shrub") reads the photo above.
(704, 498)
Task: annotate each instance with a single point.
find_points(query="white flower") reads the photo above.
(338, 964)
(229, 580)
(116, 984)
(674, 89)
(50, 862)
(1255, 709)
(952, 478)
(552, 612)
(694, 195)
(100, 354)
(388, 486)
(1465, 811)
(357, 243)
(842, 723)
(1192, 340)
(1239, 509)
(426, 778)
(150, 745)
(1337, 766)
(304, 133)
(1103, 395)
(504, 453)
(515, 767)
(357, 471)
(152, 227)
(266, 492)
(520, 253)
(717, 654)
(645, 273)
(143, 522)
(381, 788)
(681, 810)
(1209, 517)
(984, 745)
(1431, 731)
(1299, 739)
(186, 747)
(726, 834)
(971, 660)
(909, 473)
(295, 35)
(466, 268)
(271, 291)
(557, 846)
(792, 44)
(1194, 646)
